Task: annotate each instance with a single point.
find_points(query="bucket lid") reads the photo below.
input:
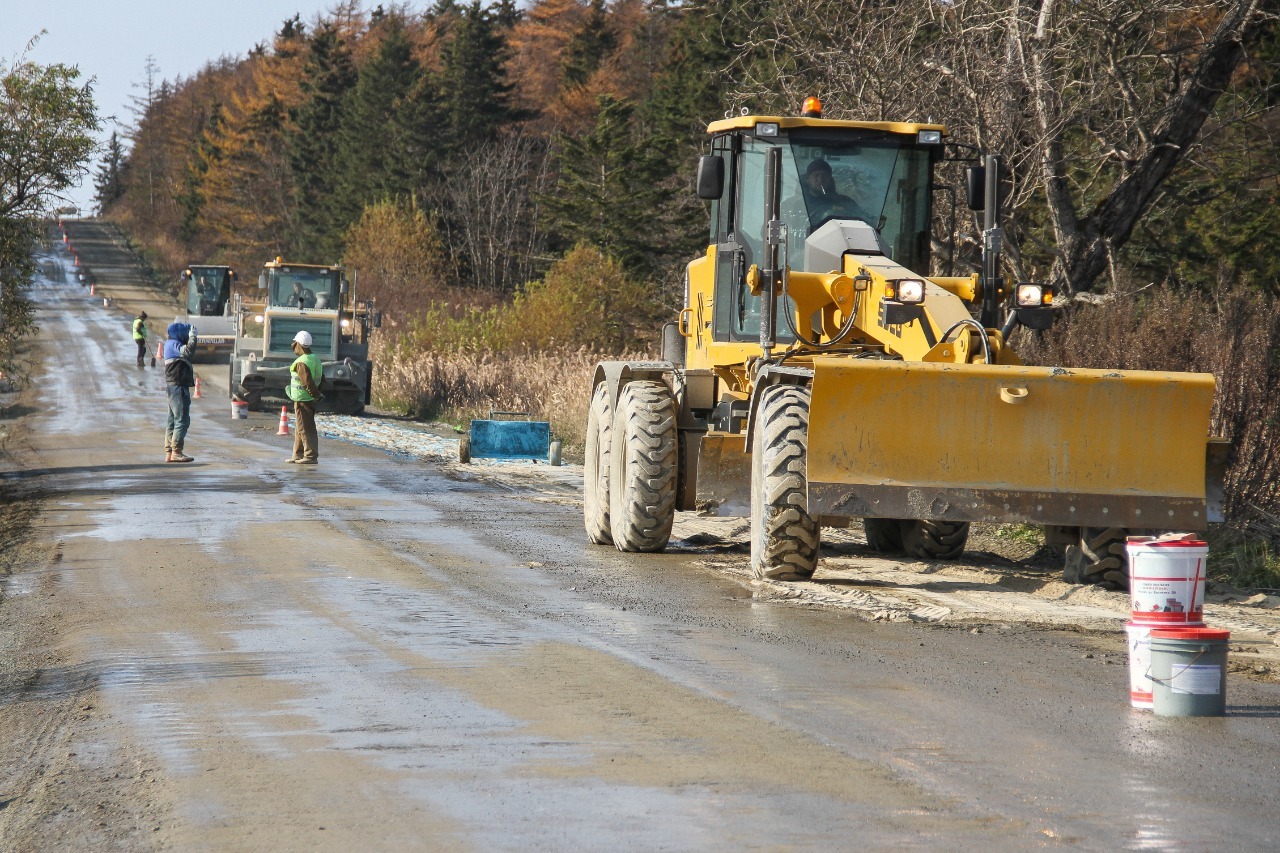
(1167, 540)
(1148, 542)
(1189, 632)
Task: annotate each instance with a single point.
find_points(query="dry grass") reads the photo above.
(455, 387)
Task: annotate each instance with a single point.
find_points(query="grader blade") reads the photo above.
(1005, 443)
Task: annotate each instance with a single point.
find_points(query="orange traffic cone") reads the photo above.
(159, 353)
(92, 288)
(284, 421)
(197, 395)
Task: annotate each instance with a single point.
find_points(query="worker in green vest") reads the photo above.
(305, 375)
(140, 335)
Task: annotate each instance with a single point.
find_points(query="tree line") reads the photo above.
(1139, 135)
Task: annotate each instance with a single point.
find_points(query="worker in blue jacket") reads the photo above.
(180, 377)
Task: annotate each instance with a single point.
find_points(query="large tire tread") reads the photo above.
(935, 540)
(785, 539)
(883, 534)
(1098, 558)
(643, 462)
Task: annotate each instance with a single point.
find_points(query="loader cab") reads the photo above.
(303, 287)
(876, 172)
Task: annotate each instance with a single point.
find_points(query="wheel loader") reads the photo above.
(303, 297)
(817, 375)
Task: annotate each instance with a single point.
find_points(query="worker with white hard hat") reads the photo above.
(305, 375)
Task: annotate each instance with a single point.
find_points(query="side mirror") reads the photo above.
(975, 186)
(342, 288)
(377, 319)
(710, 177)
(975, 180)
(262, 280)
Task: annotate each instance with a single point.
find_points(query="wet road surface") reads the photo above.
(373, 654)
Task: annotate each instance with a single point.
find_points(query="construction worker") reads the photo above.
(140, 335)
(305, 375)
(180, 376)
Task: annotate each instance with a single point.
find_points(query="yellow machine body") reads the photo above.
(900, 439)
(918, 412)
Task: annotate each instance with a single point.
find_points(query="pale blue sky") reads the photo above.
(111, 39)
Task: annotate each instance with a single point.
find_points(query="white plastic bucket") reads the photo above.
(1140, 686)
(1166, 580)
(239, 409)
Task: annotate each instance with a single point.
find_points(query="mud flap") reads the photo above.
(1009, 443)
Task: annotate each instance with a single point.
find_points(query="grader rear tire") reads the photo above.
(595, 468)
(642, 467)
(1098, 558)
(883, 534)
(935, 540)
(785, 539)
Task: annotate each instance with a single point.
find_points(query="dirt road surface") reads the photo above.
(392, 651)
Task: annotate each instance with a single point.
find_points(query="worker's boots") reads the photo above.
(176, 455)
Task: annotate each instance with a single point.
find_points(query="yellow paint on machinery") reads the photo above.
(1014, 431)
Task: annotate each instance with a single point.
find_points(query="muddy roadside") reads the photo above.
(59, 788)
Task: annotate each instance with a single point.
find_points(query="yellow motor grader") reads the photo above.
(816, 376)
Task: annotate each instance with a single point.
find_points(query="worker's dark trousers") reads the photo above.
(306, 443)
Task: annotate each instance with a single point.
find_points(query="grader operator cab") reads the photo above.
(817, 375)
(311, 298)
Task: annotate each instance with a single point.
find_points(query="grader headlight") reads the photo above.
(910, 291)
(1030, 295)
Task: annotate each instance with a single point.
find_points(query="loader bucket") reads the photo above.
(1008, 443)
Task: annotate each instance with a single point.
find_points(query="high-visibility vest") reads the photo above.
(297, 392)
(139, 329)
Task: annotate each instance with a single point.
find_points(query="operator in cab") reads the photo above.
(822, 200)
(301, 297)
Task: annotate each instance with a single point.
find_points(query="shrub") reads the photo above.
(398, 255)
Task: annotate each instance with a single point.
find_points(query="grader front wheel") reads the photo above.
(784, 537)
(642, 467)
(595, 468)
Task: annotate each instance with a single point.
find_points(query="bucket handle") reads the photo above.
(1203, 651)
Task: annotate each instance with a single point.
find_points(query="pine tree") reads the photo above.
(608, 194)
(328, 75)
(371, 166)
(477, 95)
(109, 181)
(192, 199)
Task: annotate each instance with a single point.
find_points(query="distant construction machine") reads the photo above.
(208, 306)
(816, 375)
(303, 297)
